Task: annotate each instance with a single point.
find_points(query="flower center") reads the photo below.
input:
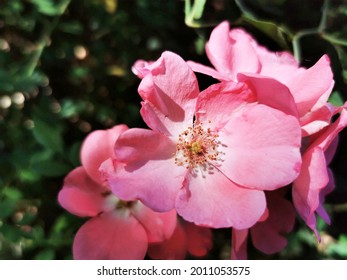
(197, 146)
(111, 202)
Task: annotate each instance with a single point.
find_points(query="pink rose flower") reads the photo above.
(268, 233)
(187, 238)
(316, 180)
(117, 229)
(236, 56)
(211, 155)
(236, 52)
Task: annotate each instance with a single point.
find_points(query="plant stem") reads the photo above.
(310, 31)
(337, 208)
(42, 42)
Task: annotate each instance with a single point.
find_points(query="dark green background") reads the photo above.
(66, 97)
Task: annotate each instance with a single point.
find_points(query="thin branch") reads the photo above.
(42, 43)
(311, 31)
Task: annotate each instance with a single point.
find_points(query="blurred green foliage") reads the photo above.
(65, 71)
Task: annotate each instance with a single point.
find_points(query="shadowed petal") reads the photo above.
(218, 101)
(173, 249)
(199, 239)
(329, 134)
(171, 87)
(159, 226)
(138, 144)
(312, 179)
(267, 236)
(327, 190)
(315, 121)
(270, 92)
(97, 147)
(239, 244)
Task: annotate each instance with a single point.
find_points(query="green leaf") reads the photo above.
(50, 8)
(275, 32)
(51, 168)
(339, 248)
(73, 27)
(28, 176)
(11, 82)
(12, 193)
(79, 72)
(70, 107)
(336, 99)
(38, 234)
(27, 219)
(74, 153)
(47, 254)
(7, 207)
(48, 136)
(11, 233)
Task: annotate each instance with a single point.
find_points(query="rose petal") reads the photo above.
(260, 148)
(331, 150)
(267, 236)
(200, 68)
(279, 65)
(81, 195)
(199, 239)
(174, 97)
(329, 134)
(154, 118)
(315, 121)
(211, 200)
(141, 68)
(312, 179)
(311, 88)
(97, 147)
(219, 101)
(327, 190)
(270, 92)
(173, 249)
(138, 144)
(111, 236)
(239, 244)
(159, 226)
(231, 52)
(154, 182)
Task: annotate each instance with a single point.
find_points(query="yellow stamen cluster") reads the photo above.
(197, 146)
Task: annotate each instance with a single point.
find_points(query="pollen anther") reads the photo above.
(196, 147)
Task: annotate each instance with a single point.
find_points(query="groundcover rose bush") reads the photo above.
(236, 56)
(234, 52)
(202, 147)
(84, 194)
(228, 156)
(120, 229)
